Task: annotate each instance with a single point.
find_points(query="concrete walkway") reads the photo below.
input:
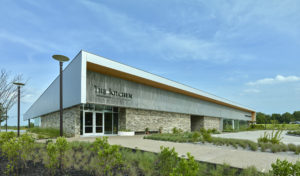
(203, 152)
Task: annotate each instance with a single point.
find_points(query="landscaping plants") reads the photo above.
(294, 133)
(285, 168)
(100, 158)
(109, 157)
(17, 151)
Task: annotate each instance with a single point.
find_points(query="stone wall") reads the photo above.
(198, 122)
(211, 123)
(138, 120)
(71, 121)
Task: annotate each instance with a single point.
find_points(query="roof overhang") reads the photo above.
(109, 67)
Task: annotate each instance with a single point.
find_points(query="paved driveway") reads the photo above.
(203, 152)
(254, 135)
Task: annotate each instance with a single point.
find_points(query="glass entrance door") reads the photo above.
(103, 122)
(88, 123)
(93, 123)
(108, 127)
(99, 122)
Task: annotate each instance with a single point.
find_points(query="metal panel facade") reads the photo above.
(49, 100)
(104, 89)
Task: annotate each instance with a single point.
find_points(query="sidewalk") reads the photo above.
(207, 153)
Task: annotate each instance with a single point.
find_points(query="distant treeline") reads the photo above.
(287, 117)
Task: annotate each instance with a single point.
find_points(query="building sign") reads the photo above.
(111, 93)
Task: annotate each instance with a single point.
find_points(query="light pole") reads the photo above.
(19, 87)
(61, 59)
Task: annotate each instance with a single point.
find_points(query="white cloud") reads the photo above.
(277, 79)
(167, 44)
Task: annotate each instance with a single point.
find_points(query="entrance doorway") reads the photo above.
(99, 123)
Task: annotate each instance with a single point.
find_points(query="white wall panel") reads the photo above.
(72, 85)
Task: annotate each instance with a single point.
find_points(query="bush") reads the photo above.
(17, 150)
(275, 148)
(295, 132)
(186, 167)
(176, 131)
(281, 168)
(11, 150)
(253, 146)
(52, 154)
(56, 154)
(167, 160)
(62, 146)
(264, 138)
(292, 147)
(274, 137)
(196, 136)
(108, 156)
(6, 136)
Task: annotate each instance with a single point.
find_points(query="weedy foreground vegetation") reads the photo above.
(24, 156)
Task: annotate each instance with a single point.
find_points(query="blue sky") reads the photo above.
(245, 51)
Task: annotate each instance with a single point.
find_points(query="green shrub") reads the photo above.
(56, 153)
(297, 150)
(253, 146)
(186, 167)
(275, 138)
(264, 138)
(205, 135)
(275, 148)
(251, 171)
(167, 160)
(282, 168)
(27, 143)
(295, 132)
(283, 147)
(292, 147)
(196, 136)
(62, 146)
(176, 131)
(11, 149)
(17, 150)
(52, 153)
(6, 136)
(108, 156)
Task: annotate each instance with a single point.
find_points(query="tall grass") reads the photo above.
(45, 132)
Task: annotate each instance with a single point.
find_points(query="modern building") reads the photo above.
(102, 96)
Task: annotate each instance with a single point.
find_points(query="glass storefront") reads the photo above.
(98, 120)
(234, 125)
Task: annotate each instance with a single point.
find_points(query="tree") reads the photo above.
(277, 117)
(287, 117)
(260, 118)
(8, 92)
(297, 115)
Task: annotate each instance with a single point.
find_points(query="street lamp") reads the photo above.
(61, 59)
(19, 87)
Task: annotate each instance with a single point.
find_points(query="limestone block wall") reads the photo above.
(138, 120)
(211, 122)
(71, 121)
(198, 122)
